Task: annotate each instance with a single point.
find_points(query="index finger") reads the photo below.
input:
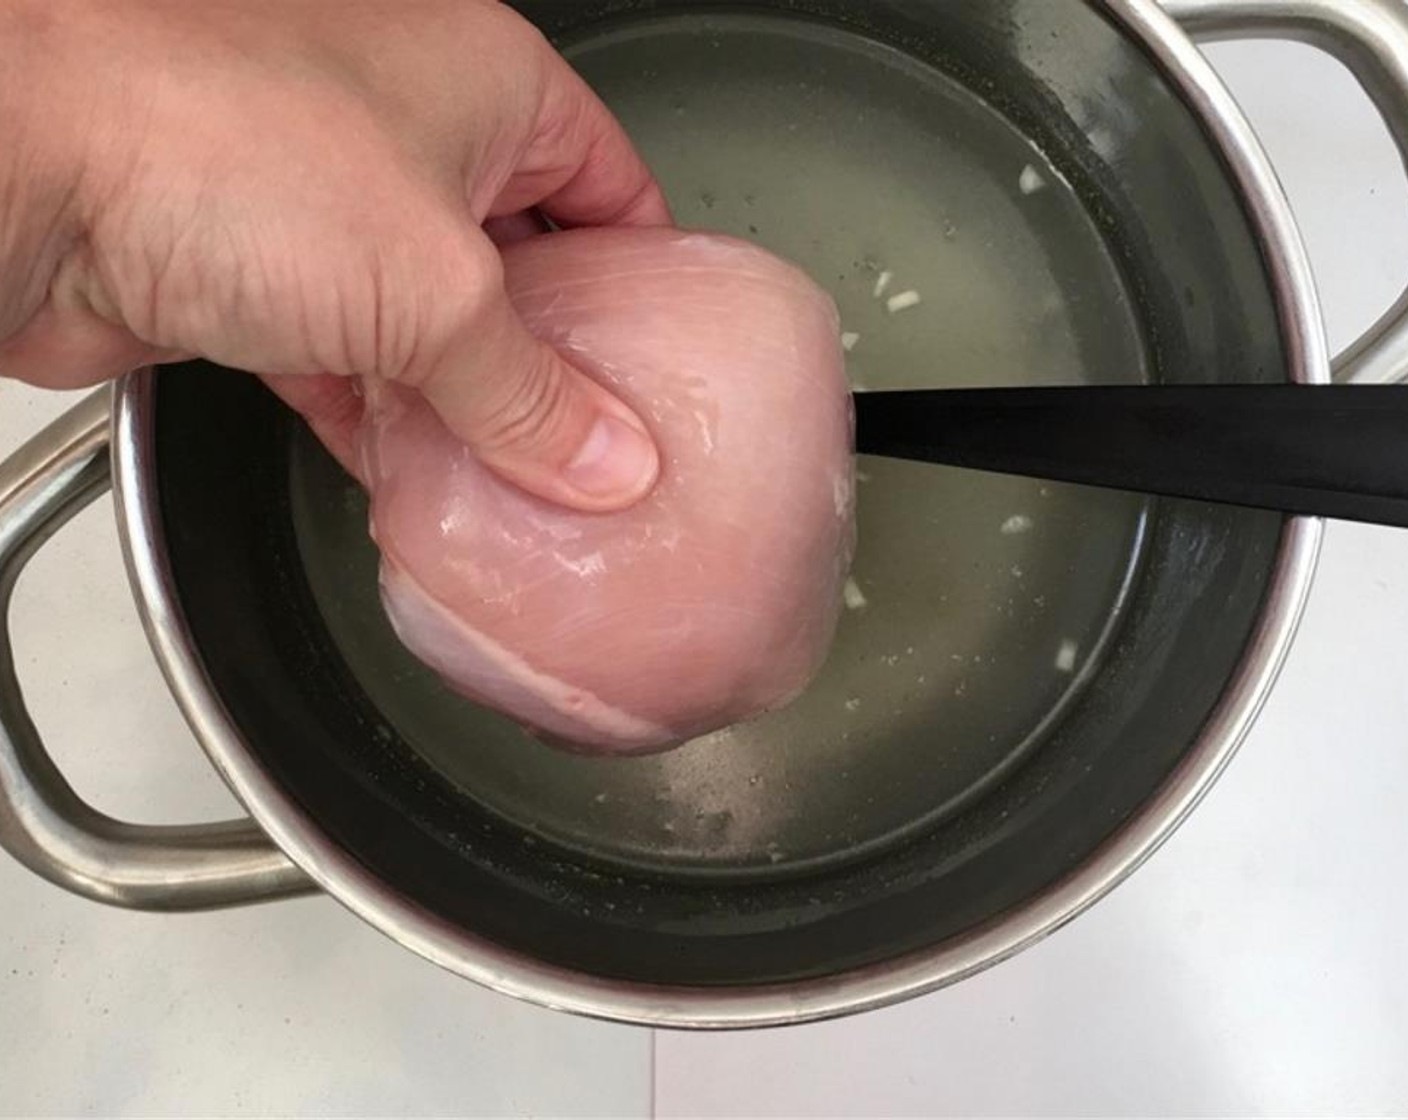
(580, 168)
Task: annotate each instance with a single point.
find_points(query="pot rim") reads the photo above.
(516, 974)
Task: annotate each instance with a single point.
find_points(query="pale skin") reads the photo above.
(311, 190)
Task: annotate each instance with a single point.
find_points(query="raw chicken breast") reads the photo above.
(716, 597)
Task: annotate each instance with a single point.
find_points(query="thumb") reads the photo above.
(530, 415)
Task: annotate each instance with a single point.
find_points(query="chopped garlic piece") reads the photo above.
(1017, 523)
(904, 301)
(1066, 657)
(882, 283)
(1031, 180)
(855, 597)
(849, 340)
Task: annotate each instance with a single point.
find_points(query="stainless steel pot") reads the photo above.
(336, 807)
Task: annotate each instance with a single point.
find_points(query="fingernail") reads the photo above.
(616, 460)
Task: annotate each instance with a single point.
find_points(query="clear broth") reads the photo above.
(981, 604)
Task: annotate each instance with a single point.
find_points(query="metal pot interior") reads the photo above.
(1030, 661)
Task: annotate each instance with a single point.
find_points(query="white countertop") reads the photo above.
(1256, 965)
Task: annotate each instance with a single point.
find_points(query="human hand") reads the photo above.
(301, 189)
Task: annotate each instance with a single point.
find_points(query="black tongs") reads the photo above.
(1329, 451)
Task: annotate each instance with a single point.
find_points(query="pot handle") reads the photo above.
(1371, 38)
(43, 822)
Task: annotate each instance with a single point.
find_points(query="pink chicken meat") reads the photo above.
(711, 601)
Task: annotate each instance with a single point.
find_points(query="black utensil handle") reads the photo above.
(1331, 451)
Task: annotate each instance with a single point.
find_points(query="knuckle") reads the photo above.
(442, 293)
(466, 277)
(527, 412)
(513, 31)
(477, 272)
